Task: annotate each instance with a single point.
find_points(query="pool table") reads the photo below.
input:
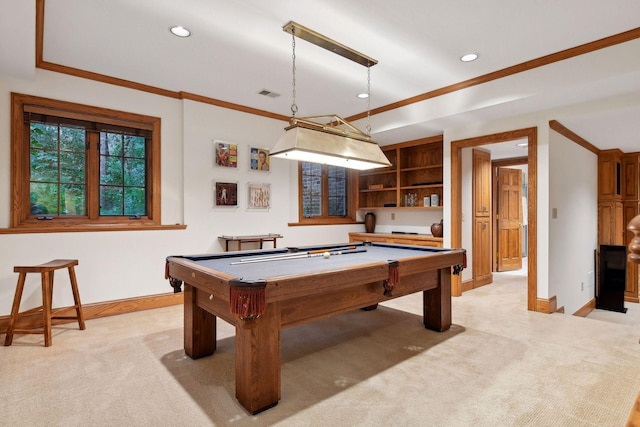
(262, 292)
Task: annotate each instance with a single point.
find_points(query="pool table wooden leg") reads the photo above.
(258, 360)
(437, 303)
(199, 327)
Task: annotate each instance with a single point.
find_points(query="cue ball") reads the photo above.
(327, 255)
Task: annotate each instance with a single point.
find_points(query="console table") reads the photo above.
(260, 238)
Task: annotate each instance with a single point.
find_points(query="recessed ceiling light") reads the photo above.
(180, 31)
(469, 57)
(363, 95)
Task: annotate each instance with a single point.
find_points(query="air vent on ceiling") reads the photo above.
(268, 93)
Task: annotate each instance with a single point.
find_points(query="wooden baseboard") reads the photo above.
(467, 285)
(547, 306)
(483, 281)
(632, 298)
(586, 309)
(100, 309)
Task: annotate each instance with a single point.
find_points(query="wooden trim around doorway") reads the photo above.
(531, 134)
(547, 306)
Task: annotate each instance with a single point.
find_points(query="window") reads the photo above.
(326, 194)
(76, 167)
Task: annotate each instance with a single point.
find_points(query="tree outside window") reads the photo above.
(76, 166)
(326, 194)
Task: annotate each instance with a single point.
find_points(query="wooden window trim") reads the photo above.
(350, 218)
(21, 218)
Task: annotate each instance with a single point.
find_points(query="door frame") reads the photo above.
(531, 134)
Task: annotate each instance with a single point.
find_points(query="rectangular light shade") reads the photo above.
(316, 146)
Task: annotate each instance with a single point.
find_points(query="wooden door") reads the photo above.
(482, 274)
(609, 175)
(482, 246)
(610, 228)
(509, 219)
(481, 183)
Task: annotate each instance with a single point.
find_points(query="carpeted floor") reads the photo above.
(499, 365)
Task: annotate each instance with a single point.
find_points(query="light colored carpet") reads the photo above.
(630, 318)
(499, 365)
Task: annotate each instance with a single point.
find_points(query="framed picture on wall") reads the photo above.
(259, 196)
(226, 154)
(260, 159)
(226, 194)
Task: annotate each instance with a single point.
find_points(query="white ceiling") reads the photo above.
(238, 48)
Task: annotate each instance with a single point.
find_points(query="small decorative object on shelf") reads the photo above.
(435, 200)
(370, 222)
(411, 199)
(436, 229)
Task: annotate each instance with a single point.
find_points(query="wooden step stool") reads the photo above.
(46, 270)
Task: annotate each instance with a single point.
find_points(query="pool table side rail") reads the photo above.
(378, 244)
(286, 287)
(290, 286)
(197, 275)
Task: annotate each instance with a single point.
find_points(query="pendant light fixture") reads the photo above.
(332, 141)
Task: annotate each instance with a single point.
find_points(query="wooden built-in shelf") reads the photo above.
(368, 190)
(413, 187)
(416, 168)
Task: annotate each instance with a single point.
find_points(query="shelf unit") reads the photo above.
(416, 167)
(618, 203)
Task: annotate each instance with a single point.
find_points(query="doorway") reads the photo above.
(530, 134)
(510, 202)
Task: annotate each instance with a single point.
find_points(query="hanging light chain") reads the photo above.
(294, 106)
(368, 128)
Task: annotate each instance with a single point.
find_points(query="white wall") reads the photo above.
(202, 125)
(411, 221)
(58, 86)
(118, 265)
(573, 232)
(113, 265)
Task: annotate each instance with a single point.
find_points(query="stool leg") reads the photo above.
(15, 308)
(76, 297)
(47, 294)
